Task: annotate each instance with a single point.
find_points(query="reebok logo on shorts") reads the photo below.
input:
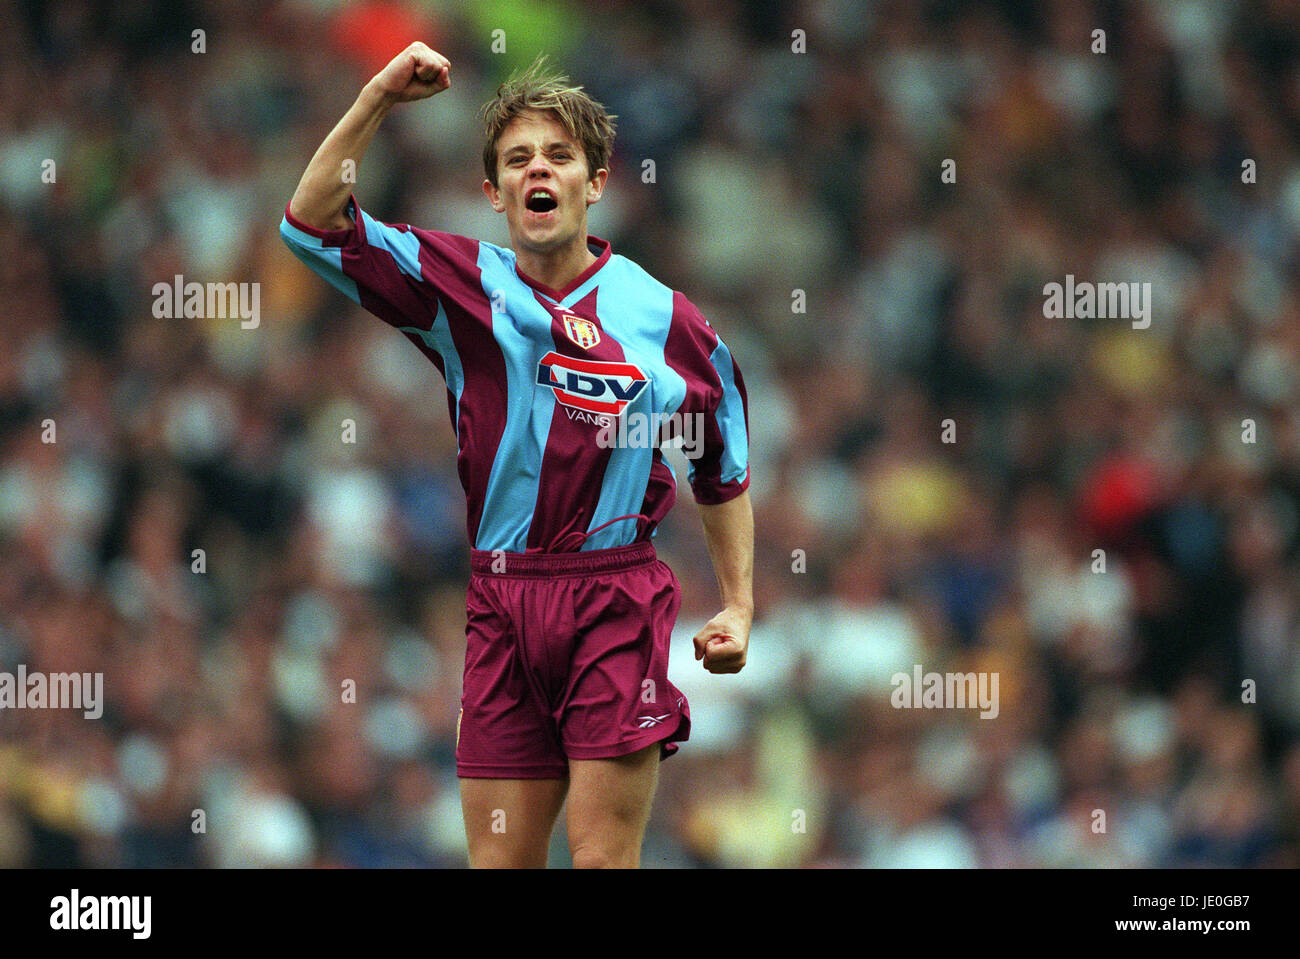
(647, 721)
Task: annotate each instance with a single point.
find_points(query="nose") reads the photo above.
(538, 166)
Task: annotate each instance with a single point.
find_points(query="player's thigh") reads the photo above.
(508, 822)
(609, 807)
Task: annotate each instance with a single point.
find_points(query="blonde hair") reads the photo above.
(539, 88)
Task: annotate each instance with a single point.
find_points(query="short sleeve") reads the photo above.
(715, 393)
(392, 270)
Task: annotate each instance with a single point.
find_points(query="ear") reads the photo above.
(494, 196)
(596, 186)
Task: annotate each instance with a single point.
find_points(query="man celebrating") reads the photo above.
(544, 347)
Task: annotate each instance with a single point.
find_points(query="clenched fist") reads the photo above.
(415, 73)
(723, 643)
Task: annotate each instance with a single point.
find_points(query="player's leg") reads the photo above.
(622, 713)
(513, 771)
(609, 807)
(508, 822)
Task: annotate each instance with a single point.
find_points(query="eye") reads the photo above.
(514, 161)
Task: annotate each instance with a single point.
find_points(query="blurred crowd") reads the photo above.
(1106, 517)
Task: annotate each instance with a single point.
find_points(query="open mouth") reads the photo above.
(540, 200)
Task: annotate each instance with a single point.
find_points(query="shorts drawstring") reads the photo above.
(577, 532)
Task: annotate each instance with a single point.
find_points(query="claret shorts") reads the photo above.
(567, 658)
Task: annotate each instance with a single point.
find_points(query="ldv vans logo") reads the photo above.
(596, 386)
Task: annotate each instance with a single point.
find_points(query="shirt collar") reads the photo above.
(603, 252)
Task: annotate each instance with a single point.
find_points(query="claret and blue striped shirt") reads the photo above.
(534, 374)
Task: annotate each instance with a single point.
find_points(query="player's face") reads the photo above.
(543, 186)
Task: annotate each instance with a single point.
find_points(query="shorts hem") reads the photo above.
(667, 741)
(526, 771)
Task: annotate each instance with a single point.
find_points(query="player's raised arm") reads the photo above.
(414, 74)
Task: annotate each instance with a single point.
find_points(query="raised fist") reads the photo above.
(415, 73)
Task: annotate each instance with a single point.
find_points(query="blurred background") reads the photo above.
(775, 171)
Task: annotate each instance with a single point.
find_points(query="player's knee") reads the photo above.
(496, 860)
(613, 842)
(519, 848)
(606, 855)
(487, 854)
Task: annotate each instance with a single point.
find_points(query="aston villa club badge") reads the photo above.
(580, 331)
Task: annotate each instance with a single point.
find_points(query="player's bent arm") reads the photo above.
(415, 73)
(723, 643)
(323, 191)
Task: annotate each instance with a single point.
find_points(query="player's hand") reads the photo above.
(415, 73)
(723, 643)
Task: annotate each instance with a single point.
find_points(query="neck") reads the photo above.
(559, 267)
